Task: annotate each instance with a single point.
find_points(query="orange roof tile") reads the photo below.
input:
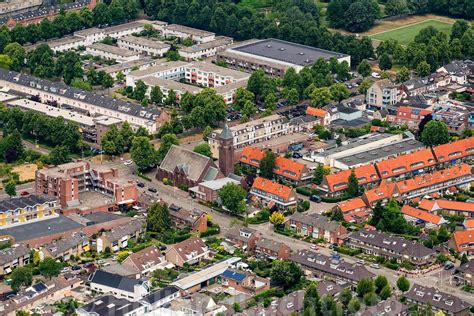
(423, 215)
(406, 163)
(272, 187)
(432, 205)
(454, 150)
(369, 227)
(316, 112)
(352, 204)
(463, 237)
(469, 223)
(251, 156)
(384, 191)
(359, 214)
(283, 166)
(430, 179)
(338, 181)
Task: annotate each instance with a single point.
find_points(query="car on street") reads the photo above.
(65, 269)
(315, 198)
(25, 193)
(360, 261)
(153, 190)
(314, 247)
(140, 184)
(76, 267)
(297, 155)
(448, 265)
(127, 162)
(375, 265)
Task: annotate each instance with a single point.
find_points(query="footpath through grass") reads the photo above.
(406, 34)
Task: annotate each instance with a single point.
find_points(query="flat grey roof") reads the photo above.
(102, 217)
(392, 149)
(42, 228)
(354, 143)
(287, 52)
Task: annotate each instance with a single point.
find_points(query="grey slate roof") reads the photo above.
(59, 246)
(387, 307)
(317, 221)
(114, 280)
(328, 288)
(23, 201)
(436, 298)
(124, 230)
(397, 244)
(160, 294)
(10, 254)
(344, 270)
(468, 267)
(109, 305)
(193, 164)
(60, 88)
(270, 244)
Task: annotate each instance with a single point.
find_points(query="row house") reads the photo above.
(448, 207)
(323, 116)
(242, 237)
(252, 132)
(436, 182)
(354, 210)
(285, 169)
(194, 219)
(418, 86)
(420, 217)
(190, 251)
(112, 52)
(455, 152)
(16, 256)
(389, 246)
(336, 184)
(119, 237)
(463, 242)
(244, 282)
(144, 45)
(324, 267)
(429, 297)
(409, 116)
(409, 165)
(272, 194)
(271, 249)
(64, 248)
(183, 32)
(464, 274)
(382, 194)
(205, 50)
(390, 306)
(317, 226)
(24, 209)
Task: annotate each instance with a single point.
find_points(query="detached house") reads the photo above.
(144, 261)
(268, 248)
(118, 237)
(317, 226)
(336, 184)
(242, 237)
(190, 251)
(272, 194)
(389, 246)
(122, 287)
(244, 282)
(285, 169)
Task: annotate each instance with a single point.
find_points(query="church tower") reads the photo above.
(226, 151)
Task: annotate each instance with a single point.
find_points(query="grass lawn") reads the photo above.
(256, 4)
(406, 34)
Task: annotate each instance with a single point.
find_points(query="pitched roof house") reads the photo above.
(273, 194)
(119, 236)
(194, 219)
(244, 281)
(268, 248)
(317, 226)
(382, 194)
(242, 237)
(62, 249)
(417, 216)
(396, 168)
(191, 251)
(463, 242)
(16, 256)
(121, 286)
(322, 115)
(455, 151)
(187, 168)
(354, 210)
(144, 261)
(451, 207)
(336, 184)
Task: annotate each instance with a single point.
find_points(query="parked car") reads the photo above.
(375, 265)
(314, 247)
(140, 184)
(24, 193)
(297, 155)
(76, 267)
(315, 198)
(153, 190)
(448, 265)
(127, 162)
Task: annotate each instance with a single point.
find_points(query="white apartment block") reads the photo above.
(383, 93)
(144, 45)
(121, 30)
(253, 132)
(205, 50)
(127, 67)
(167, 85)
(183, 32)
(91, 35)
(112, 52)
(210, 75)
(173, 70)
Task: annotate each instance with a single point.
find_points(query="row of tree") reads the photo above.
(354, 16)
(292, 20)
(118, 11)
(459, 8)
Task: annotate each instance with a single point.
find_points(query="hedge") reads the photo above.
(348, 251)
(303, 191)
(210, 232)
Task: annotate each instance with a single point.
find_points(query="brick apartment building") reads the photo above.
(68, 181)
(272, 249)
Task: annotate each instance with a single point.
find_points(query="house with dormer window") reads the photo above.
(272, 194)
(190, 251)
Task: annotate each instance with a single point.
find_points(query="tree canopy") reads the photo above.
(232, 197)
(435, 133)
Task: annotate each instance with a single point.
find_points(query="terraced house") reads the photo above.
(408, 165)
(389, 246)
(16, 256)
(317, 226)
(455, 152)
(62, 249)
(287, 170)
(271, 194)
(25, 209)
(336, 184)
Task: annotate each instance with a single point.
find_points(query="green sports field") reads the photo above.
(406, 34)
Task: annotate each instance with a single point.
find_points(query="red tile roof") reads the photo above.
(454, 150)
(406, 163)
(433, 178)
(316, 112)
(272, 187)
(408, 113)
(352, 204)
(285, 167)
(362, 215)
(463, 237)
(384, 191)
(469, 223)
(423, 215)
(338, 181)
(432, 205)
